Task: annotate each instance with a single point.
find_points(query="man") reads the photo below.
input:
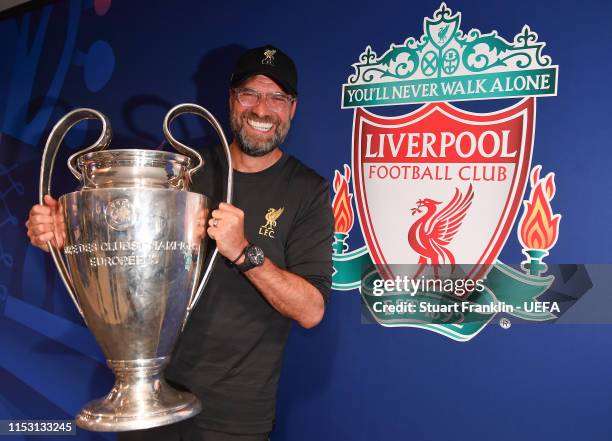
(275, 240)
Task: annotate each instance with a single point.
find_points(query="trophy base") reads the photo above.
(140, 399)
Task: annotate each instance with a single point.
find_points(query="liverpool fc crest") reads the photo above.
(440, 186)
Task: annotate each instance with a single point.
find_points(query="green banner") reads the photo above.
(505, 290)
(508, 84)
(348, 267)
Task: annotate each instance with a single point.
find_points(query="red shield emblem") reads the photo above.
(441, 186)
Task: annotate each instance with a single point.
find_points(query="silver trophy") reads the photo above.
(131, 263)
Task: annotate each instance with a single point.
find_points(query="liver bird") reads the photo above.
(271, 217)
(442, 34)
(431, 234)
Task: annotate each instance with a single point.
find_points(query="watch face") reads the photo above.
(255, 255)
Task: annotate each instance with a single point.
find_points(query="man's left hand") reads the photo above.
(226, 226)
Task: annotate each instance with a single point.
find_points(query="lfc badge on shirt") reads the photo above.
(271, 217)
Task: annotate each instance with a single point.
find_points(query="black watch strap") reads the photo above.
(241, 254)
(246, 265)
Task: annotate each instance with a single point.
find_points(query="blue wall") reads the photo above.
(343, 380)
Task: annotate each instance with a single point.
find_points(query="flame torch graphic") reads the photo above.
(343, 210)
(538, 229)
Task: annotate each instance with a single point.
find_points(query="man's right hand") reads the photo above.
(45, 223)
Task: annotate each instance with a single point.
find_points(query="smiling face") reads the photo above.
(258, 130)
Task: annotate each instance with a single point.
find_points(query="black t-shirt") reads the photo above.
(230, 353)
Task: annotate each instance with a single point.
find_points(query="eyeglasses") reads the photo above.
(275, 101)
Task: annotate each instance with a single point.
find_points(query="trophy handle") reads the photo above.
(182, 148)
(46, 173)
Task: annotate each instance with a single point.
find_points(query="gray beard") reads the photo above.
(249, 145)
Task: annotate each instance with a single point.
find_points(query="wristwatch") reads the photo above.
(253, 257)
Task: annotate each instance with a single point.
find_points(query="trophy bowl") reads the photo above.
(132, 263)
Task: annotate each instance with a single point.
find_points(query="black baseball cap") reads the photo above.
(269, 61)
